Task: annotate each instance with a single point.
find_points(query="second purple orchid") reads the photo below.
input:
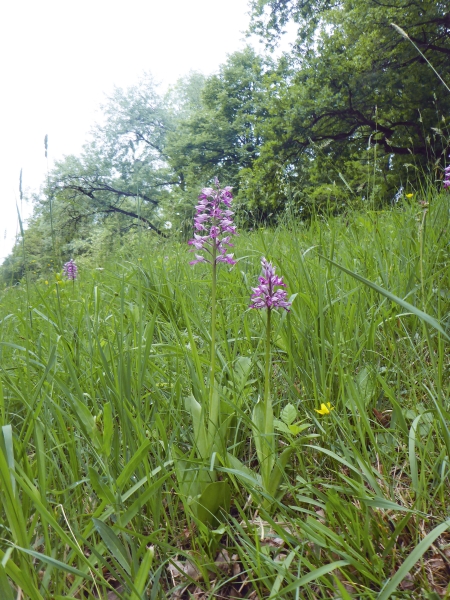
(214, 226)
(265, 295)
(447, 177)
(70, 270)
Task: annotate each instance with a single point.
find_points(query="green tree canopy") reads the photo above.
(221, 137)
(354, 92)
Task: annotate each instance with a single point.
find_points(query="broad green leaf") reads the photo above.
(100, 488)
(198, 421)
(365, 384)
(263, 435)
(241, 371)
(242, 472)
(113, 544)
(288, 414)
(297, 428)
(281, 426)
(216, 495)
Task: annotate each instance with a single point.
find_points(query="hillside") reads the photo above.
(137, 461)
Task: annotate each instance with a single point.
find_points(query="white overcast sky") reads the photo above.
(58, 59)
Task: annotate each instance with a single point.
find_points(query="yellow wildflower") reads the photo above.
(325, 409)
(409, 195)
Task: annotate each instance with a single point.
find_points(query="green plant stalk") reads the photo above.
(267, 425)
(268, 414)
(421, 244)
(213, 401)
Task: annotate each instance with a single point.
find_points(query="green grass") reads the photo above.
(95, 436)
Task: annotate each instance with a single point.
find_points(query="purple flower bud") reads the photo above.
(215, 213)
(227, 258)
(198, 242)
(70, 270)
(265, 295)
(214, 232)
(199, 259)
(201, 218)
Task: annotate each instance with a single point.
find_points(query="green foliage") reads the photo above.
(354, 115)
(220, 137)
(123, 170)
(357, 106)
(95, 435)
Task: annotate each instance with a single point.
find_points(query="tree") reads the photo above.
(354, 90)
(220, 137)
(124, 169)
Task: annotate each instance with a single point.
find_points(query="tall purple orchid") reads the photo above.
(70, 270)
(269, 294)
(214, 226)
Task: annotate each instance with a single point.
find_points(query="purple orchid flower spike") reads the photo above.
(214, 226)
(70, 270)
(447, 177)
(265, 295)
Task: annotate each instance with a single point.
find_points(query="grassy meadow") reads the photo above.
(113, 482)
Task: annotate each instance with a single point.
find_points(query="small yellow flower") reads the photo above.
(46, 282)
(325, 409)
(409, 195)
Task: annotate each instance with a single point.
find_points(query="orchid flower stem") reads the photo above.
(213, 410)
(267, 402)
